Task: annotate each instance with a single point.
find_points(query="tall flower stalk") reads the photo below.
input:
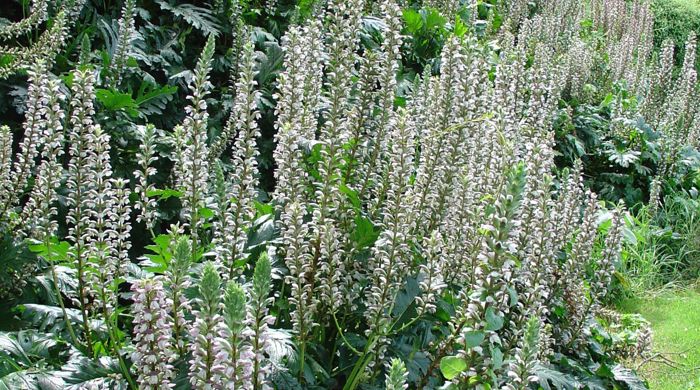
(34, 131)
(154, 354)
(391, 252)
(40, 209)
(238, 366)
(192, 168)
(239, 205)
(388, 63)
(259, 321)
(206, 366)
(396, 377)
(79, 184)
(146, 157)
(327, 257)
(297, 116)
(177, 280)
(38, 13)
(127, 32)
(521, 370)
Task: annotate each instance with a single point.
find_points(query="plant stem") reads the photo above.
(354, 378)
(59, 297)
(83, 299)
(113, 341)
(302, 352)
(340, 332)
(440, 353)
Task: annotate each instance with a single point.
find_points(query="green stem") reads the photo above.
(302, 352)
(404, 326)
(447, 344)
(193, 232)
(69, 325)
(354, 378)
(256, 345)
(83, 299)
(177, 326)
(113, 342)
(340, 332)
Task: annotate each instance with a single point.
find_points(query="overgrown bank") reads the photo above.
(333, 194)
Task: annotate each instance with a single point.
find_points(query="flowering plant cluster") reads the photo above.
(418, 232)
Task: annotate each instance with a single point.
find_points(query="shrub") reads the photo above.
(321, 221)
(675, 19)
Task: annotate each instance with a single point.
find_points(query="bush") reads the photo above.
(373, 202)
(675, 19)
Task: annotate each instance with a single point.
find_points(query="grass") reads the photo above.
(675, 320)
(662, 250)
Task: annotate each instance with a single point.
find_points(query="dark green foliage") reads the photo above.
(16, 261)
(153, 90)
(616, 167)
(675, 19)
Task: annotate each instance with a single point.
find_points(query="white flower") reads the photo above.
(146, 157)
(127, 33)
(237, 208)
(192, 165)
(153, 353)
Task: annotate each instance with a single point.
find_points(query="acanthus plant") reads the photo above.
(641, 134)
(415, 237)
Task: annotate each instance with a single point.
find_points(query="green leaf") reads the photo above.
(152, 99)
(628, 377)
(48, 318)
(413, 20)
(560, 380)
(263, 208)
(27, 358)
(116, 101)
(164, 194)
(460, 28)
(352, 195)
(202, 19)
(474, 338)
(263, 231)
(9, 345)
(160, 258)
(406, 296)
(433, 20)
(206, 213)
(623, 158)
(65, 278)
(629, 236)
(14, 256)
(496, 357)
(608, 99)
(442, 315)
(285, 380)
(451, 366)
(493, 321)
(604, 371)
(55, 251)
(81, 372)
(364, 234)
(6, 59)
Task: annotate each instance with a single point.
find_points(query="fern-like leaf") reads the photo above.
(201, 18)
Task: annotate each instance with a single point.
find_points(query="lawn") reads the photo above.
(675, 319)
